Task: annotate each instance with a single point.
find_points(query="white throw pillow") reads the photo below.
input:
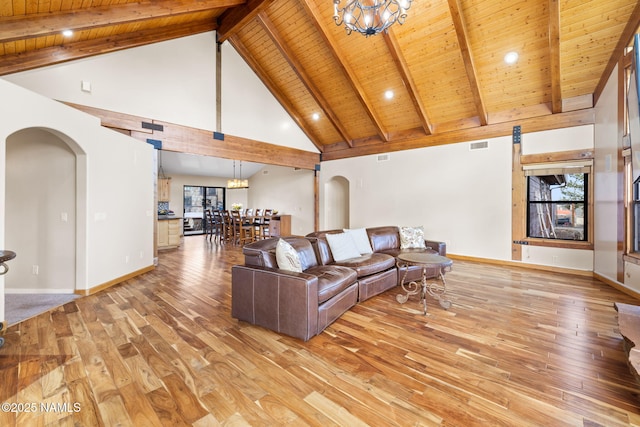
(287, 257)
(362, 240)
(412, 238)
(342, 246)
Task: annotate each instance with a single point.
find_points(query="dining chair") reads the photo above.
(208, 227)
(264, 226)
(243, 232)
(227, 227)
(217, 226)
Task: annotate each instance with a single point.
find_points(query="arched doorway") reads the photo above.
(336, 203)
(41, 211)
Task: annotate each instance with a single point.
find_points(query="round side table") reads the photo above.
(427, 261)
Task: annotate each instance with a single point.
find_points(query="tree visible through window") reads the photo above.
(556, 205)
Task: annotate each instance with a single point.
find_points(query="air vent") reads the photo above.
(383, 157)
(265, 172)
(482, 145)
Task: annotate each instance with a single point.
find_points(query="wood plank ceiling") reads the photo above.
(444, 65)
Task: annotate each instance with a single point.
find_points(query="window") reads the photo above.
(557, 203)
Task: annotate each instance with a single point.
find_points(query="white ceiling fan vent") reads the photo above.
(482, 145)
(383, 157)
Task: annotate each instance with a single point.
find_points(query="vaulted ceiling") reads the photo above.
(445, 65)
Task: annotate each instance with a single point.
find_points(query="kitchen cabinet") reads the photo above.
(280, 226)
(164, 189)
(169, 233)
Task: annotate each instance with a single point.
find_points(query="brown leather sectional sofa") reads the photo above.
(303, 304)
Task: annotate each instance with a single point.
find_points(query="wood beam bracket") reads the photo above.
(157, 144)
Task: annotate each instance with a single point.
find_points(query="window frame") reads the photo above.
(557, 160)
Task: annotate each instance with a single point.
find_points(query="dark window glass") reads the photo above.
(557, 206)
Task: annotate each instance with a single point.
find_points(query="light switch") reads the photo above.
(85, 86)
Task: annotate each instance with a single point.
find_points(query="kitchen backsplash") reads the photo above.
(163, 207)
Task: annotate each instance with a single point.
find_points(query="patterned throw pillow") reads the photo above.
(412, 238)
(342, 246)
(287, 257)
(362, 240)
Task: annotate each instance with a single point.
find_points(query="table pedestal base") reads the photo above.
(435, 289)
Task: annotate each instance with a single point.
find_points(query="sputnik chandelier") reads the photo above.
(370, 17)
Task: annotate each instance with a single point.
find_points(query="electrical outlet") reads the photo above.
(126, 259)
(35, 270)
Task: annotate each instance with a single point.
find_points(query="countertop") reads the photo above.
(165, 217)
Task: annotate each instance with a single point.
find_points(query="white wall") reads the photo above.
(115, 186)
(245, 96)
(608, 142)
(148, 81)
(286, 190)
(40, 212)
(460, 196)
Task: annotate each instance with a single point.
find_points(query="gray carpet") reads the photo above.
(19, 307)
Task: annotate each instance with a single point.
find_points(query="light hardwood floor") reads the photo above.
(517, 348)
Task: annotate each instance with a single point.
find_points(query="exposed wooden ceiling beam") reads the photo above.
(298, 69)
(396, 54)
(467, 58)
(554, 55)
(53, 23)
(532, 124)
(184, 139)
(629, 30)
(234, 19)
(273, 88)
(346, 69)
(58, 54)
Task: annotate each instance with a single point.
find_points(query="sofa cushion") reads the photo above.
(342, 246)
(412, 238)
(332, 279)
(287, 257)
(384, 238)
(361, 239)
(366, 265)
(263, 252)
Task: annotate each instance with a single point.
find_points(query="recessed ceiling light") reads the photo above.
(388, 94)
(67, 33)
(315, 116)
(511, 58)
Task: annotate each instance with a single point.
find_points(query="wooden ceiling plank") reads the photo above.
(273, 88)
(467, 58)
(346, 69)
(554, 56)
(58, 54)
(232, 20)
(53, 23)
(407, 79)
(629, 30)
(297, 67)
